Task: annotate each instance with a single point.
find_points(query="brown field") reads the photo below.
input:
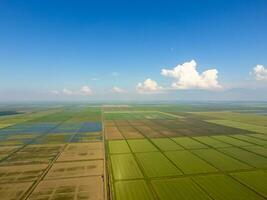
(33, 154)
(76, 169)
(14, 191)
(6, 150)
(73, 188)
(10, 174)
(113, 133)
(82, 151)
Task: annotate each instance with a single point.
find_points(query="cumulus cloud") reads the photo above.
(85, 90)
(148, 86)
(186, 76)
(260, 73)
(116, 89)
(67, 91)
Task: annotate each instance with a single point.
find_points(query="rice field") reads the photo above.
(184, 157)
(52, 154)
(138, 152)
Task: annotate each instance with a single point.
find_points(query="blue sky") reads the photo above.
(103, 49)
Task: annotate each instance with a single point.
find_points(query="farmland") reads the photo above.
(134, 152)
(52, 153)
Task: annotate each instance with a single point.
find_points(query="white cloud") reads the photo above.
(55, 92)
(148, 86)
(186, 76)
(260, 73)
(67, 92)
(85, 90)
(116, 89)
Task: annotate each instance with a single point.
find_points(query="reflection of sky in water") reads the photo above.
(29, 128)
(91, 127)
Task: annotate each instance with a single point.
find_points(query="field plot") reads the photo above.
(238, 117)
(189, 143)
(90, 127)
(33, 154)
(22, 173)
(67, 127)
(124, 166)
(16, 139)
(155, 164)
(14, 191)
(7, 150)
(74, 188)
(170, 133)
(87, 137)
(54, 138)
(132, 190)
(136, 115)
(239, 125)
(262, 151)
(76, 169)
(141, 145)
(130, 132)
(133, 125)
(222, 187)
(29, 128)
(259, 136)
(245, 156)
(112, 132)
(166, 144)
(21, 136)
(149, 132)
(118, 146)
(231, 141)
(82, 151)
(211, 142)
(220, 160)
(189, 163)
(182, 188)
(251, 139)
(256, 180)
(11, 142)
(197, 127)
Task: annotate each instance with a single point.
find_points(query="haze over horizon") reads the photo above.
(141, 50)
